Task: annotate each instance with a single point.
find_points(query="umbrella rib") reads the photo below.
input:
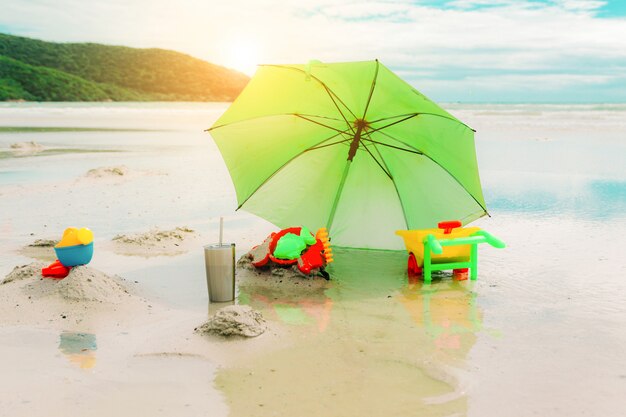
(330, 92)
(318, 123)
(417, 151)
(270, 115)
(320, 117)
(395, 147)
(369, 98)
(391, 117)
(395, 186)
(411, 115)
(329, 144)
(397, 140)
(337, 106)
(376, 160)
(285, 164)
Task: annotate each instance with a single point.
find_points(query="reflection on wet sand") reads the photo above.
(365, 336)
(301, 302)
(447, 312)
(80, 348)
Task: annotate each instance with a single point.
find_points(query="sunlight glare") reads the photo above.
(243, 56)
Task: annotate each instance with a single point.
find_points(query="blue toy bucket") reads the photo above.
(75, 255)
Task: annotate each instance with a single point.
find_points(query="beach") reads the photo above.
(540, 332)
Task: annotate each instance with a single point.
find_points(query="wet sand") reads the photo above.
(539, 333)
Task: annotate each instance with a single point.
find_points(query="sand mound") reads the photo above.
(88, 284)
(283, 285)
(41, 249)
(107, 172)
(24, 271)
(43, 243)
(286, 271)
(85, 296)
(234, 320)
(155, 242)
(117, 174)
(155, 236)
(27, 146)
(83, 284)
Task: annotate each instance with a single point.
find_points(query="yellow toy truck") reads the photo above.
(448, 247)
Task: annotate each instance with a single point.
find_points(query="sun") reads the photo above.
(243, 56)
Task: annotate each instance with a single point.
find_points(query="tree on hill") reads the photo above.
(121, 73)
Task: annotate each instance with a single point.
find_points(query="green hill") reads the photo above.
(19, 81)
(44, 71)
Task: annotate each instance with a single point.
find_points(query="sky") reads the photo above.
(497, 51)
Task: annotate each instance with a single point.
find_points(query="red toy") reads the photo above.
(315, 256)
(55, 270)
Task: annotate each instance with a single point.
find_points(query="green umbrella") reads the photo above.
(349, 146)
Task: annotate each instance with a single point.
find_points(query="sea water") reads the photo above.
(541, 332)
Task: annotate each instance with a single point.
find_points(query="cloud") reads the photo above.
(473, 4)
(368, 12)
(580, 5)
(569, 5)
(459, 42)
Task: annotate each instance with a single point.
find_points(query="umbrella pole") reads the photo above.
(354, 146)
(331, 216)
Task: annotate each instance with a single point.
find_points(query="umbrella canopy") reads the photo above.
(349, 146)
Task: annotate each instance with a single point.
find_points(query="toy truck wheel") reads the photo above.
(412, 267)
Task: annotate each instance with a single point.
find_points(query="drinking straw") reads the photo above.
(221, 229)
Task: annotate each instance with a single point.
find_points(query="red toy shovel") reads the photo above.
(55, 270)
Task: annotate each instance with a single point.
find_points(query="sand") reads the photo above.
(40, 249)
(43, 243)
(288, 282)
(156, 242)
(547, 318)
(27, 145)
(23, 272)
(88, 345)
(235, 320)
(26, 148)
(115, 171)
(275, 270)
(83, 284)
(28, 298)
(155, 237)
(115, 175)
